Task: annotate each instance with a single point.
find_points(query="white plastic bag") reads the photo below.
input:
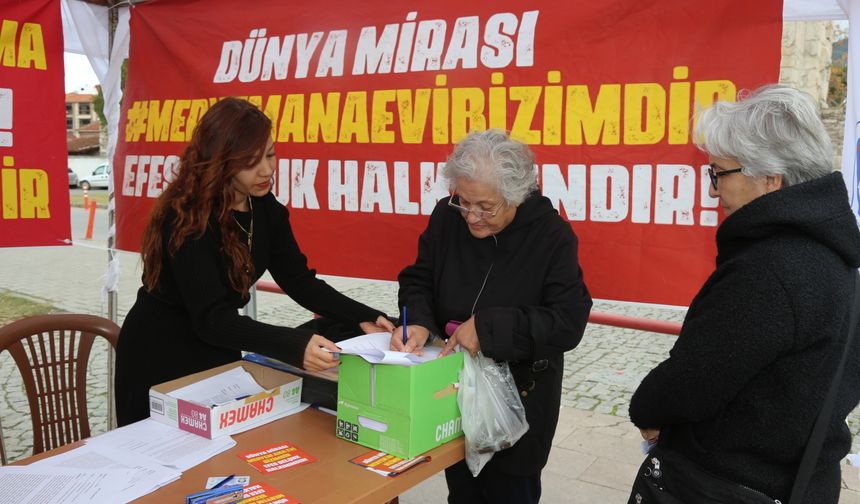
(492, 412)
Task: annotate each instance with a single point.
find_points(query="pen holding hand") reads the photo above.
(414, 337)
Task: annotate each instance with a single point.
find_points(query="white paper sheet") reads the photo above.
(221, 388)
(374, 348)
(140, 474)
(167, 445)
(41, 484)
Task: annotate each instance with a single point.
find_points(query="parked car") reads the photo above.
(73, 178)
(99, 178)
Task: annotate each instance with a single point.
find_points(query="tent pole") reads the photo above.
(113, 19)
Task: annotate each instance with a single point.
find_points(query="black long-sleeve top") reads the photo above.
(191, 321)
(533, 305)
(745, 381)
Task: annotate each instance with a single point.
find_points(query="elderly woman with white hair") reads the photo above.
(739, 394)
(497, 256)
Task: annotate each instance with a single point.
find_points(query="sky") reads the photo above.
(79, 74)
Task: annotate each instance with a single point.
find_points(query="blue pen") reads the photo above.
(221, 483)
(405, 336)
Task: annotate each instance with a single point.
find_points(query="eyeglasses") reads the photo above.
(715, 175)
(454, 203)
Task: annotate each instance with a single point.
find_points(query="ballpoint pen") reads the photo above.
(225, 480)
(405, 337)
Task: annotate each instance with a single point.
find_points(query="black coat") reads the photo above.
(534, 305)
(743, 384)
(191, 323)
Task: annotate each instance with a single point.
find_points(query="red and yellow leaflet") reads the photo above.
(261, 493)
(277, 457)
(387, 464)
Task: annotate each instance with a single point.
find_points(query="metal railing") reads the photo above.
(623, 321)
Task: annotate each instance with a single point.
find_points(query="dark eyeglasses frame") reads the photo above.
(480, 214)
(715, 175)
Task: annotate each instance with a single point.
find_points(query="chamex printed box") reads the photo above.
(401, 410)
(281, 395)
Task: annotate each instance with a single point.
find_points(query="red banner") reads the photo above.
(33, 183)
(367, 100)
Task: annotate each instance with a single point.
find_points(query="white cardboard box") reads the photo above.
(283, 393)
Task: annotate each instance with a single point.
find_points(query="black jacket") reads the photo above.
(191, 323)
(743, 384)
(534, 305)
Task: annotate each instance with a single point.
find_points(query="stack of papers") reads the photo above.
(138, 476)
(54, 484)
(163, 444)
(374, 348)
(118, 466)
(220, 388)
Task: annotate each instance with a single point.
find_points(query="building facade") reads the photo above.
(807, 47)
(82, 124)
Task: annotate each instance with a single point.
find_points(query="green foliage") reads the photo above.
(99, 101)
(99, 106)
(837, 90)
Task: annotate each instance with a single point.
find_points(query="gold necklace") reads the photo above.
(248, 232)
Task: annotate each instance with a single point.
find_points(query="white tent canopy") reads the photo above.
(814, 10)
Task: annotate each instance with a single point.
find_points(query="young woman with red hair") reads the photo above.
(213, 232)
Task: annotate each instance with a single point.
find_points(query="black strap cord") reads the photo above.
(816, 439)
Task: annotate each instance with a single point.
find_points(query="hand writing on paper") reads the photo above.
(417, 336)
(381, 324)
(317, 359)
(650, 435)
(466, 336)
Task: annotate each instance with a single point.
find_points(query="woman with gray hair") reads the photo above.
(497, 259)
(743, 385)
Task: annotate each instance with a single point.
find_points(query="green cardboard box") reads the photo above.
(401, 410)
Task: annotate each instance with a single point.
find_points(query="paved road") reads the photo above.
(600, 375)
(80, 219)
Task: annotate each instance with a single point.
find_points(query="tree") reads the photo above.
(99, 100)
(838, 88)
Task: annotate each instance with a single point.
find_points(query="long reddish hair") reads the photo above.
(231, 136)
